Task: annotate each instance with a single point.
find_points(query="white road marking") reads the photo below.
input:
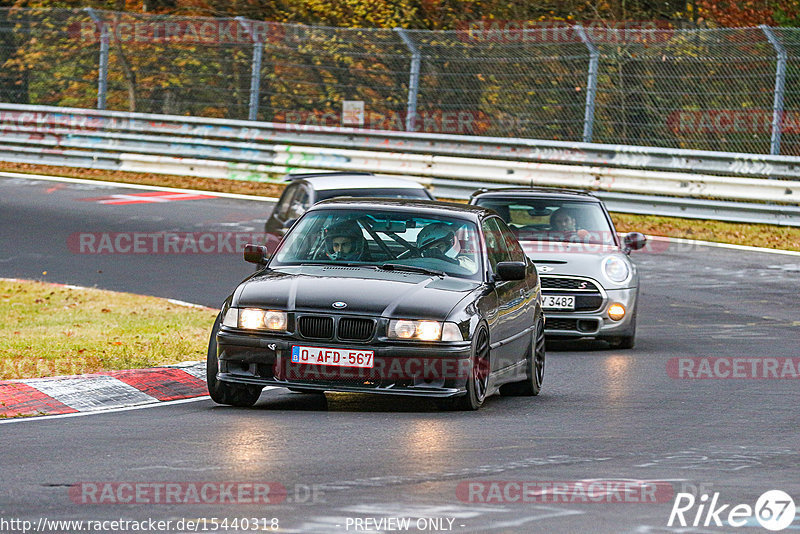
(723, 245)
(155, 404)
(133, 186)
(97, 412)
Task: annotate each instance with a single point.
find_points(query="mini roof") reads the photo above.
(536, 192)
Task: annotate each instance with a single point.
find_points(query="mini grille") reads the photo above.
(557, 323)
(316, 327)
(568, 283)
(355, 329)
(588, 302)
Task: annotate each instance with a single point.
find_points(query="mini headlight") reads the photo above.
(421, 330)
(255, 319)
(616, 269)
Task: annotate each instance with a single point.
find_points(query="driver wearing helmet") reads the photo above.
(344, 241)
(438, 240)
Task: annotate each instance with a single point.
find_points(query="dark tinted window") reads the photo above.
(495, 243)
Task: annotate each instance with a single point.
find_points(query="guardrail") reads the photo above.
(244, 150)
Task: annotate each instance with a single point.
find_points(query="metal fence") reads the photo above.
(733, 90)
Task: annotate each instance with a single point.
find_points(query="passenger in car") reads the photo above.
(438, 240)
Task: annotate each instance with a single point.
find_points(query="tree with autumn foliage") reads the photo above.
(319, 53)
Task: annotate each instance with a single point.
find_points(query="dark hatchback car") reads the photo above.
(396, 297)
(306, 189)
(590, 286)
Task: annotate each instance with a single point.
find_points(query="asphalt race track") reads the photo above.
(348, 461)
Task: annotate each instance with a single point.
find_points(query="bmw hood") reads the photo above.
(363, 292)
(571, 259)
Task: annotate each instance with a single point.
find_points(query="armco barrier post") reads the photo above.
(780, 81)
(102, 71)
(413, 79)
(255, 76)
(591, 84)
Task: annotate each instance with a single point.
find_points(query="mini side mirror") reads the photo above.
(256, 254)
(510, 270)
(634, 241)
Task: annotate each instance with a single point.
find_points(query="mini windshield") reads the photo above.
(541, 219)
(389, 240)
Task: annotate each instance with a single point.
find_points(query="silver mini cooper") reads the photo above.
(589, 284)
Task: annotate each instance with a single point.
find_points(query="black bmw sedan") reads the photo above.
(398, 297)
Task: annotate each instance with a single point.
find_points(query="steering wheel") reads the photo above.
(437, 254)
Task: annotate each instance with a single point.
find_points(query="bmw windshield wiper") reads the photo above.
(338, 264)
(410, 268)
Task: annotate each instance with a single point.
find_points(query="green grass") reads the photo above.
(755, 235)
(50, 330)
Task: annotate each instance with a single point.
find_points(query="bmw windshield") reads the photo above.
(391, 240)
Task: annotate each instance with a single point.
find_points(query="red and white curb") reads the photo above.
(102, 391)
(108, 390)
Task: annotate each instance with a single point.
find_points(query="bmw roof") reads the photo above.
(403, 204)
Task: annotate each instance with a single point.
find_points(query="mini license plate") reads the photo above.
(335, 357)
(558, 302)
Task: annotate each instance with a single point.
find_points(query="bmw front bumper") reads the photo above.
(400, 368)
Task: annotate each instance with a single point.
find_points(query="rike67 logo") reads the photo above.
(774, 510)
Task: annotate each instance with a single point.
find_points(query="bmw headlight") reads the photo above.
(424, 330)
(616, 269)
(256, 319)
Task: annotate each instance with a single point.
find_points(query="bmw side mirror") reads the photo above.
(634, 241)
(510, 270)
(256, 254)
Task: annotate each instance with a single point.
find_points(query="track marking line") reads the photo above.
(122, 185)
(150, 197)
(724, 245)
(97, 412)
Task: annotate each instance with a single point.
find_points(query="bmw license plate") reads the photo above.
(335, 357)
(558, 302)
